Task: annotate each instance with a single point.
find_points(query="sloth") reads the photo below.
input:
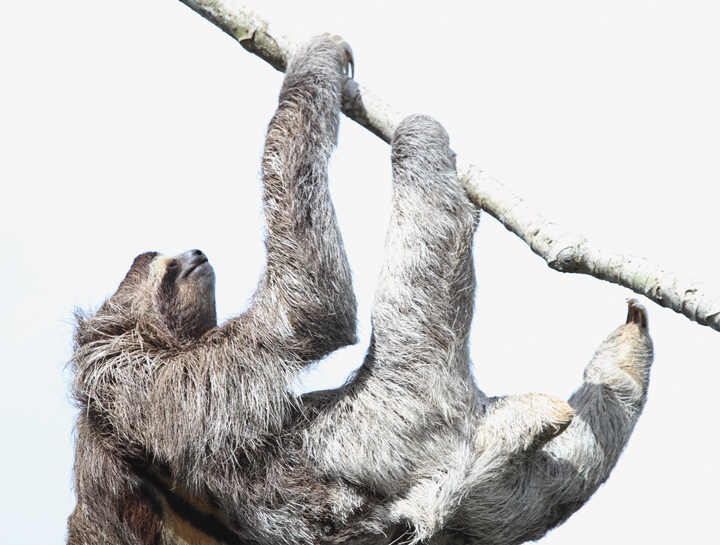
(189, 433)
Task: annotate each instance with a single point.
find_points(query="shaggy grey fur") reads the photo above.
(188, 433)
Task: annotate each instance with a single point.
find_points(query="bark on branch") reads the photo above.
(562, 250)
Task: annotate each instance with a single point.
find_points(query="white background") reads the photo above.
(128, 126)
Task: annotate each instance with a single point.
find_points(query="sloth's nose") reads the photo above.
(193, 257)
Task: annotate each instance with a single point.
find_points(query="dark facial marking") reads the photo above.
(167, 290)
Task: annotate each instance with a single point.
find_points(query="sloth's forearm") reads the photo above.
(306, 291)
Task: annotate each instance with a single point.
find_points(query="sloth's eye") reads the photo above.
(172, 265)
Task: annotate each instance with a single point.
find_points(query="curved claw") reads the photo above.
(637, 314)
(349, 67)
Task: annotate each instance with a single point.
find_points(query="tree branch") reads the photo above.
(572, 253)
(562, 250)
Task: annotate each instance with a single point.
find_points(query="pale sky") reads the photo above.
(128, 126)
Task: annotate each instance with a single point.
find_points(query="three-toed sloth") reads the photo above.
(188, 433)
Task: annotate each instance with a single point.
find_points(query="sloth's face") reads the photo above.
(183, 288)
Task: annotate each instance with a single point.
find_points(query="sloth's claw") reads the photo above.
(349, 67)
(637, 313)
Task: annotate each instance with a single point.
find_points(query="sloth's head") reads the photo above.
(179, 290)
